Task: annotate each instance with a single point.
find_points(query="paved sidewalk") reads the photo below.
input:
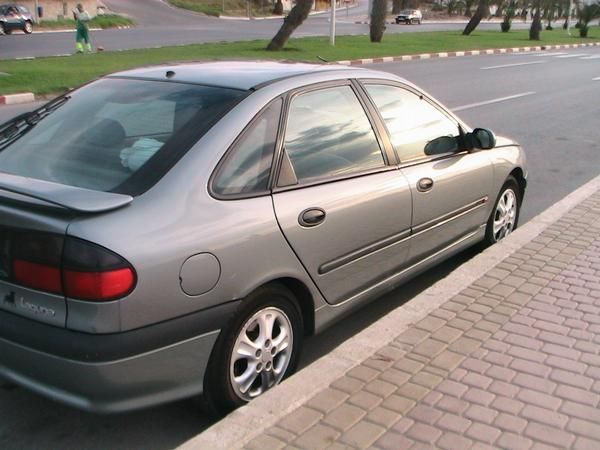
(510, 361)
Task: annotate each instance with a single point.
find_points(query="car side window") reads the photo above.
(247, 166)
(412, 122)
(329, 135)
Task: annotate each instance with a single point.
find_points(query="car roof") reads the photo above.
(243, 75)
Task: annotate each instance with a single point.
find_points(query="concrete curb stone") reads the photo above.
(248, 422)
(13, 99)
(492, 51)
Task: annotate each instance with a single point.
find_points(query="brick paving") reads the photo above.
(512, 361)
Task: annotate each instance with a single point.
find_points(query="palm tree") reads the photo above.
(293, 20)
(536, 25)
(482, 10)
(586, 14)
(378, 15)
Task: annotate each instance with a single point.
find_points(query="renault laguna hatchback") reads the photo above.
(173, 231)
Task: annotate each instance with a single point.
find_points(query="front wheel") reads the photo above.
(28, 28)
(256, 351)
(6, 30)
(505, 215)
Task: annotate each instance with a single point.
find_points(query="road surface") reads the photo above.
(162, 25)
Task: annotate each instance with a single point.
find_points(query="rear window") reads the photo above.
(115, 135)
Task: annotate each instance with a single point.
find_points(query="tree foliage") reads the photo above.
(586, 14)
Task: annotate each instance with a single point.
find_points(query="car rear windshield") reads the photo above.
(114, 135)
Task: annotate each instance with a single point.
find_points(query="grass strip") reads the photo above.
(54, 75)
(104, 21)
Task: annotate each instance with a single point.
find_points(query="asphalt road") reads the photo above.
(162, 25)
(552, 109)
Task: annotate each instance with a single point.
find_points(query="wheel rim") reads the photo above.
(505, 215)
(28, 27)
(261, 353)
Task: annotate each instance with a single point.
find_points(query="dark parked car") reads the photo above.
(177, 230)
(15, 17)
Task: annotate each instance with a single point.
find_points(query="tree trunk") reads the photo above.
(536, 25)
(378, 15)
(479, 13)
(396, 6)
(293, 20)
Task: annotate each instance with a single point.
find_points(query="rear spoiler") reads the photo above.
(67, 197)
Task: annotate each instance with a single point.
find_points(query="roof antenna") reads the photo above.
(170, 74)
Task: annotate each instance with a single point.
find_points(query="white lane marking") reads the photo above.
(489, 102)
(512, 65)
(591, 57)
(596, 79)
(551, 54)
(574, 55)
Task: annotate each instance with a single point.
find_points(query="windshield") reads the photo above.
(117, 135)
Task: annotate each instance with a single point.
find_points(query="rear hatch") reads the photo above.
(34, 219)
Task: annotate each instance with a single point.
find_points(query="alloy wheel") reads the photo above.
(261, 353)
(505, 215)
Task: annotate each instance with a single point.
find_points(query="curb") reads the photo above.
(246, 423)
(14, 99)
(428, 22)
(493, 51)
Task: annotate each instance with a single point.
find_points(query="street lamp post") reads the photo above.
(332, 24)
(569, 17)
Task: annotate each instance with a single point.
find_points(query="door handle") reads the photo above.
(424, 184)
(311, 217)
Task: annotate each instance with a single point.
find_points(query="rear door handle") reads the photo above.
(311, 217)
(424, 184)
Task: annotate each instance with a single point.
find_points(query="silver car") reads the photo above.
(178, 230)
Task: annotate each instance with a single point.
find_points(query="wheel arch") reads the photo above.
(518, 174)
(304, 299)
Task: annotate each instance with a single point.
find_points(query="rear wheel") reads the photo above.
(6, 29)
(256, 351)
(28, 28)
(505, 215)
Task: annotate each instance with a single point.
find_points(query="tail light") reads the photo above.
(69, 266)
(91, 272)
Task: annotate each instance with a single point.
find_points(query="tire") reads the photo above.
(224, 389)
(28, 28)
(503, 221)
(6, 30)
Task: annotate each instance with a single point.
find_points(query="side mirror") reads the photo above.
(483, 138)
(441, 145)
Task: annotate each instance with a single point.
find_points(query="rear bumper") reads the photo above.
(111, 373)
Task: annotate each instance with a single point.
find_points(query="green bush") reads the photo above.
(586, 14)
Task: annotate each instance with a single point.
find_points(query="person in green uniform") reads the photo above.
(82, 18)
